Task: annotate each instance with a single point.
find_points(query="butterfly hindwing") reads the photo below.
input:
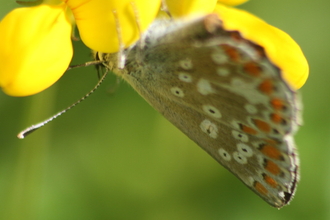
(223, 93)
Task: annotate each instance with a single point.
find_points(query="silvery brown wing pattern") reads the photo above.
(223, 92)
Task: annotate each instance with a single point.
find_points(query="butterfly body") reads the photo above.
(222, 91)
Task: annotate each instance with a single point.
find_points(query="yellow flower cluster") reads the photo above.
(36, 48)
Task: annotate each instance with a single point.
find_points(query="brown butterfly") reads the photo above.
(223, 92)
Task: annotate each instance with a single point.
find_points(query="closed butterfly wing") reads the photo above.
(222, 91)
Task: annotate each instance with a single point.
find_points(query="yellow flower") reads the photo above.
(179, 8)
(36, 49)
(31, 62)
(35, 42)
(280, 48)
(96, 21)
(232, 2)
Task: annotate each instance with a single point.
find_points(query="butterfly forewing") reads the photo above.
(222, 92)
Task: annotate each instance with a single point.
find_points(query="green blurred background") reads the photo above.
(115, 157)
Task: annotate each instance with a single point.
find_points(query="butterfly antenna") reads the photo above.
(33, 128)
(95, 62)
(138, 24)
(121, 55)
(164, 8)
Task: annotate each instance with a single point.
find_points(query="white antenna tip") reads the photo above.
(30, 129)
(21, 135)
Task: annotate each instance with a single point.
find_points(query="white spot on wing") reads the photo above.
(222, 71)
(186, 64)
(204, 87)
(250, 181)
(251, 109)
(240, 136)
(212, 111)
(244, 149)
(224, 154)
(185, 77)
(177, 92)
(239, 158)
(209, 128)
(219, 57)
(247, 90)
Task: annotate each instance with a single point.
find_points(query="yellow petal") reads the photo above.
(280, 48)
(35, 49)
(179, 8)
(232, 2)
(97, 24)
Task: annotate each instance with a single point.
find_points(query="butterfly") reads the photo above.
(223, 92)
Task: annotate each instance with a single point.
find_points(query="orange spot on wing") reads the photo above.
(235, 35)
(252, 69)
(260, 51)
(272, 167)
(271, 152)
(271, 141)
(260, 188)
(231, 52)
(248, 129)
(277, 104)
(262, 126)
(266, 86)
(276, 118)
(270, 181)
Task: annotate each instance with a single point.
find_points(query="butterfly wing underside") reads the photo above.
(222, 91)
